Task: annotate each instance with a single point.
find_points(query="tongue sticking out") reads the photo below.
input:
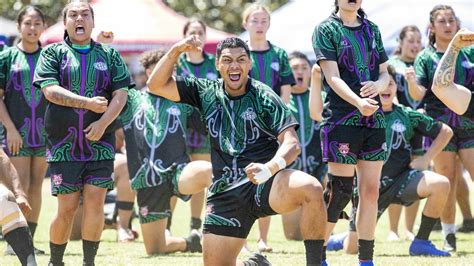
(234, 77)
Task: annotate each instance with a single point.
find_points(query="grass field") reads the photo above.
(285, 252)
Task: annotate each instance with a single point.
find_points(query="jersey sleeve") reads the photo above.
(286, 74)
(421, 71)
(189, 89)
(424, 124)
(47, 69)
(120, 76)
(379, 46)
(323, 44)
(4, 68)
(133, 101)
(278, 116)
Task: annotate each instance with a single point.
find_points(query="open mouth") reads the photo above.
(385, 95)
(352, 2)
(80, 30)
(299, 80)
(234, 76)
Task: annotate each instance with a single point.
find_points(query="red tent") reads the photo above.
(138, 25)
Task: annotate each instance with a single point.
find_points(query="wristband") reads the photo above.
(263, 175)
(280, 161)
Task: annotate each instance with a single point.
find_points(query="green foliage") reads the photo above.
(224, 15)
(51, 8)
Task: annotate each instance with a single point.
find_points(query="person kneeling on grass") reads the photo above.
(405, 181)
(14, 227)
(253, 138)
(159, 166)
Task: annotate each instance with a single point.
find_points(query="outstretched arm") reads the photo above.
(161, 81)
(456, 97)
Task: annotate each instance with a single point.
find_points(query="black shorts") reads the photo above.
(154, 202)
(348, 144)
(69, 177)
(402, 191)
(232, 213)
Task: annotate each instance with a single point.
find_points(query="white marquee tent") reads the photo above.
(292, 25)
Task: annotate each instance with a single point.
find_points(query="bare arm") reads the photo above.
(285, 93)
(161, 81)
(4, 116)
(456, 97)
(96, 130)
(60, 96)
(287, 152)
(422, 162)
(9, 176)
(416, 92)
(366, 106)
(315, 97)
(14, 140)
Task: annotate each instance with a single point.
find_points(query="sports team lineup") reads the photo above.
(246, 133)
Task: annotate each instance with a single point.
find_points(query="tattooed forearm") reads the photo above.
(444, 75)
(61, 96)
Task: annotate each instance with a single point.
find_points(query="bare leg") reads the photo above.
(445, 166)
(291, 226)
(61, 224)
(156, 242)
(214, 246)
(93, 213)
(263, 228)
(23, 167)
(124, 195)
(394, 213)
(410, 217)
(198, 200)
(462, 194)
(38, 171)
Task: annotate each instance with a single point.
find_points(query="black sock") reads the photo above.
(323, 256)
(314, 251)
(57, 253)
(366, 250)
(20, 240)
(90, 250)
(195, 223)
(32, 227)
(168, 223)
(426, 227)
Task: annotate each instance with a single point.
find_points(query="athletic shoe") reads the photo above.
(324, 263)
(425, 248)
(193, 243)
(366, 263)
(336, 242)
(467, 226)
(450, 243)
(393, 237)
(260, 259)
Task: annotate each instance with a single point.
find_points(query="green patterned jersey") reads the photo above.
(403, 95)
(402, 124)
(98, 72)
(308, 134)
(154, 129)
(205, 69)
(272, 68)
(25, 103)
(242, 129)
(425, 67)
(358, 52)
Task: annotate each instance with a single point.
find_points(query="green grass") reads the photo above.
(285, 252)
